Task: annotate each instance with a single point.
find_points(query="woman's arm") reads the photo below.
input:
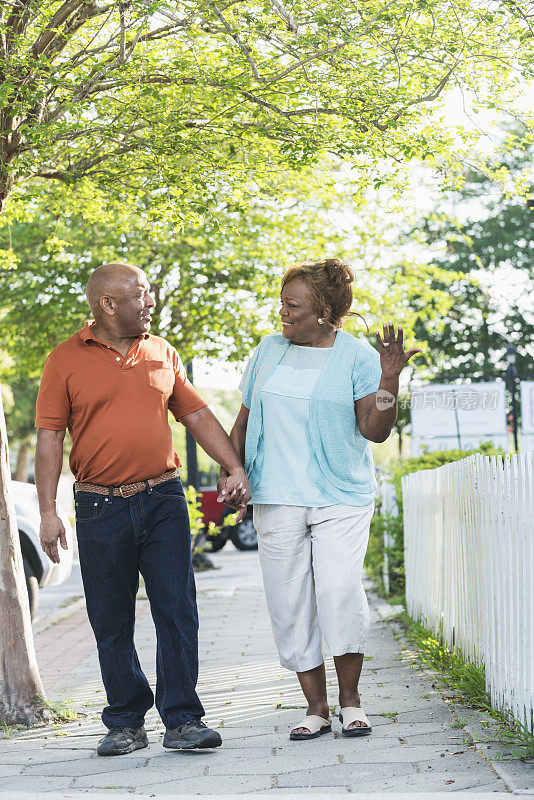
(376, 413)
(238, 434)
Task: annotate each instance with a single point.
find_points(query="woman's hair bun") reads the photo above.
(337, 271)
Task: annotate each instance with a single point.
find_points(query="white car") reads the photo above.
(38, 568)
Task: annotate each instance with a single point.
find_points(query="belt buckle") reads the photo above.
(121, 491)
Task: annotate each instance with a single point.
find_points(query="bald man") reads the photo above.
(111, 385)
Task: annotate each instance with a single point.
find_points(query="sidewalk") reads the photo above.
(417, 745)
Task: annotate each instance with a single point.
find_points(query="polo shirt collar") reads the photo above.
(86, 333)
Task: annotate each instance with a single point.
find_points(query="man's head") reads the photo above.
(120, 300)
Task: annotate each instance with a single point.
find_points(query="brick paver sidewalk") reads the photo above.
(417, 744)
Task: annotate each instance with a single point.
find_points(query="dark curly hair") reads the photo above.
(329, 282)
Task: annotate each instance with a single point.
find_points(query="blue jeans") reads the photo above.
(118, 538)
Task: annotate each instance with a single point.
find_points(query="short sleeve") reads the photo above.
(53, 403)
(366, 372)
(247, 383)
(184, 398)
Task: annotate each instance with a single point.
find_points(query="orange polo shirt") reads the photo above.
(115, 407)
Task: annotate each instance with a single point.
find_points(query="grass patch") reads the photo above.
(8, 730)
(469, 683)
(63, 712)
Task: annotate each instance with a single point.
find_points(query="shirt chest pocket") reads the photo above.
(160, 376)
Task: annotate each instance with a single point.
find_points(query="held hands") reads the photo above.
(52, 530)
(233, 490)
(393, 357)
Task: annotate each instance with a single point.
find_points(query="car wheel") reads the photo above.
(217, 543)
(244, 535)
(32, 585)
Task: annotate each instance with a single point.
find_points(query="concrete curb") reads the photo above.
(280, 793)
(58, 616)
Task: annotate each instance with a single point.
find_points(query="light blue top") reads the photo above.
(302, 431)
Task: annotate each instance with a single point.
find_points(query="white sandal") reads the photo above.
(316, 726)
(351, 714)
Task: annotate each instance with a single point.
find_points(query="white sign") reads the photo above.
(527, 406)
(433, 443)
(465, 409)
(526, 443)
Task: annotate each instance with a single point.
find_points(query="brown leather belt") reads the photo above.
(127, 489)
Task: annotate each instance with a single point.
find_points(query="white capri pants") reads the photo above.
(312, 561)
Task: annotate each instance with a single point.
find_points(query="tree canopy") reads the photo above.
(208, 98)
(487, 240)
(216, 281)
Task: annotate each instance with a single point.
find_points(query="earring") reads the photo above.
(320, 321)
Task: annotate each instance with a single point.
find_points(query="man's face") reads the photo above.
(133, 304)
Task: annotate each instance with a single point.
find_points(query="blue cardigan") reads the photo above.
(351, 371)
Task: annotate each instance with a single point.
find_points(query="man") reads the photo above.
(111, 384)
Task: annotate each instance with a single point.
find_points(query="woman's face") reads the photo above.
(299, 319)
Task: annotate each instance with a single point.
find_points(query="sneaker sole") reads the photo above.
(201, 744)
(138, 745)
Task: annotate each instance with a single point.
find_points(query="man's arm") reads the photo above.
(48, 462)
(238, 435)
(211, 436)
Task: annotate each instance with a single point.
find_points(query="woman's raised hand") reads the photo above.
(393, 356)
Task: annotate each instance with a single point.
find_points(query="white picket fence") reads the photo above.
(469, 558)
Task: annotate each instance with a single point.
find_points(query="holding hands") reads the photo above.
(393, 357)
(233, 490)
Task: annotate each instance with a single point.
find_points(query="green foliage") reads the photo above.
(487, 239)
(63, 711)
(392, 525)
(205, 100)
(196, 521)
(20, 414)
(216, 283)
(469, 682)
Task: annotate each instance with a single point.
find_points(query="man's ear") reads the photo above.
(107, 304)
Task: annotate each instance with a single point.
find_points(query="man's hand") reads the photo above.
(233, 490)
(52, 530)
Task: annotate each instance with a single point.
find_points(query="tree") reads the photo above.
(22, 696)
(215, 95)
(485, 235)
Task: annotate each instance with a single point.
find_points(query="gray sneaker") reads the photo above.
(191, 735)
(119, 741)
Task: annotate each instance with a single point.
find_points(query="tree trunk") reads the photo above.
(6, 182)
(21, 472)
(400, 443)
(22, 696)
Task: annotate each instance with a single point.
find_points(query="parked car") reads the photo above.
(243, 535)
(38, 568)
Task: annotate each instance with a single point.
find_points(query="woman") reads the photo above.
(313, 398)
